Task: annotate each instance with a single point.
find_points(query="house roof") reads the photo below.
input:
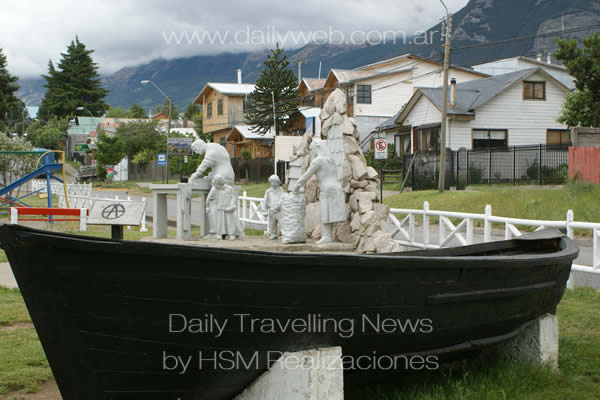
(313, 84)
(247, 133)
(473, 94)
(530, 60)
(346, 76)
(85, 126)
(311, 112)
(413, 57)
(229, 89)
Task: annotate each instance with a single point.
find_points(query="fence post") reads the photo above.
(426, 223)
(83, 219)
(14, 216)
(457, 170)
(469, 231)
(412, 176)
(487, 225)
(570, 218)
(490, 167)
(143, 228)
(540, 167)
(596, 244)
(442, 230)
(467, 180)
(411, 228)
(244, 209)
(514, 165)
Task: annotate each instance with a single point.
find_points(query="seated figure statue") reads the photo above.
(331, 199)
(221, 202)
(216, 158)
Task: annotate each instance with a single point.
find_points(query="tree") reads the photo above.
(197, 119)
(140, 139)
(8, 88)
(74, 83)
(165, 109)
(280, 80)
(109, 151)
(50, 136)
(136, 112)
(191, 110)
(582, 107)
(177, 165)
(116, 112)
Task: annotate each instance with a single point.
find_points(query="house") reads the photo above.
(160, 115)
(375, 92)
(504, 66)
(307, 117)
(518, 108)
(79, 133)
(224, 106)
(243, 138)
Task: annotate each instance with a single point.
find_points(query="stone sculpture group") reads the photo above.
(340, 190)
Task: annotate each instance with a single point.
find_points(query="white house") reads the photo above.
(507, 65)
(518, 108)
(377, 91)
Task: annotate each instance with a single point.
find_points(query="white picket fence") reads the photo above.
(73, 189)
(250, 211)
(405, 230)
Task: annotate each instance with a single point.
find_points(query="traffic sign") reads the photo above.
(381, 152)
(161, 159)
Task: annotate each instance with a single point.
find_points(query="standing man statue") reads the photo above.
(271, 205)
(216, 158)
(331, 199)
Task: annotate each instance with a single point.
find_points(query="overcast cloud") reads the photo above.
(131, 32)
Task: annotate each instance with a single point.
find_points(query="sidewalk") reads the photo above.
(7, 278)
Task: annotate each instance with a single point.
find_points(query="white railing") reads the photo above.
(78, 189)
(405, 233)
(250, 211)
(88, 202)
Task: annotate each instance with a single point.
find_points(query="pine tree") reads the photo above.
(75, 82)
(8, 87)
(277, 80)
(136, 112)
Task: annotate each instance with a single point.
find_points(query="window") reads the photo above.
(534, 90)
(220, 107)
(363, 94)
(350, 95)
(223, 141)
(209, 110)
(245, 105)
(490, 139)
(427, 140)
(558, 136)
(402, 144)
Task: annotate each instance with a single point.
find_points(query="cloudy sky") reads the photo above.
(131, 32)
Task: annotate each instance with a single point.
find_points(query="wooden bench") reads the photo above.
(81, 213)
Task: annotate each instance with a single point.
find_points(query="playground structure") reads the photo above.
(46, 165)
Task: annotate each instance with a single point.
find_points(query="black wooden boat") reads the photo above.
(104, 309)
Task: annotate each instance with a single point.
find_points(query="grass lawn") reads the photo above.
(23, 365)
(255, 189)
(527, 202)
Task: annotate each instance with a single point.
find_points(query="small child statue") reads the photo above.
(271, 205)
(223, 199)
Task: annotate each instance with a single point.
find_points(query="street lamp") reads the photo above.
(84, 108)
(145, 82)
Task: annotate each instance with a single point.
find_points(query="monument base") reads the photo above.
(537, 343)
(304, 375)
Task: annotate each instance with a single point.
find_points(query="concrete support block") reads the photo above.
(537, 343)
(305, 375)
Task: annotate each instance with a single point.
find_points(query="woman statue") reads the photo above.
(332, 202)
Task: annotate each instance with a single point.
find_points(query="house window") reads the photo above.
(223, 141)
(350, 96)
(427, 140)
(402, 144)
(363, 94)
(534, 90)
(245, 105)
(209, 110)
(558, 136)
(220, 107)
(484, 139)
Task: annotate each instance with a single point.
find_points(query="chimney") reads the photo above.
(549, 58)
(239, 76)
(453, 84)
(540, 57)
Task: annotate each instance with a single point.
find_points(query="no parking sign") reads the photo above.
(381, 152)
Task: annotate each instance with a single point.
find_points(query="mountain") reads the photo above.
(474, 27)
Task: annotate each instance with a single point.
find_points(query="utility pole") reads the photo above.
(445, 102)
(168, 135)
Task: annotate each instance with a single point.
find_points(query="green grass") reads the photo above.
(526, 202)
(578, 378)
(116, 185)
(3, 256)
(255, 189)
(12, 308)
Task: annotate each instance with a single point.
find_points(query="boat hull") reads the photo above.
(113, 315)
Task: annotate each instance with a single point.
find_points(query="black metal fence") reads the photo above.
(537, 164)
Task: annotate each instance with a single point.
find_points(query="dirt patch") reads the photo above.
(48, 391)
(14, 327)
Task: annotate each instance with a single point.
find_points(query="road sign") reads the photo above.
(161, 159)
(381, 151)
(179, 146)
(113, 212)
(81, 147)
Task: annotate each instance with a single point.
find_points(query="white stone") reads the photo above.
(371, 173)
(343, 232)
(367, 218)
(355, 223)
(351, 146)
(305, 375)
(359, 167)
(365, 201)
(348, 127)
(313, 217)
(383, 242)
(311, 190)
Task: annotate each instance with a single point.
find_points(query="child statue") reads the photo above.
(222, 201)
(331, 199)
(271, 205)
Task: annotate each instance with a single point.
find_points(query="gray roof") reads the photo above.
(472, 94)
